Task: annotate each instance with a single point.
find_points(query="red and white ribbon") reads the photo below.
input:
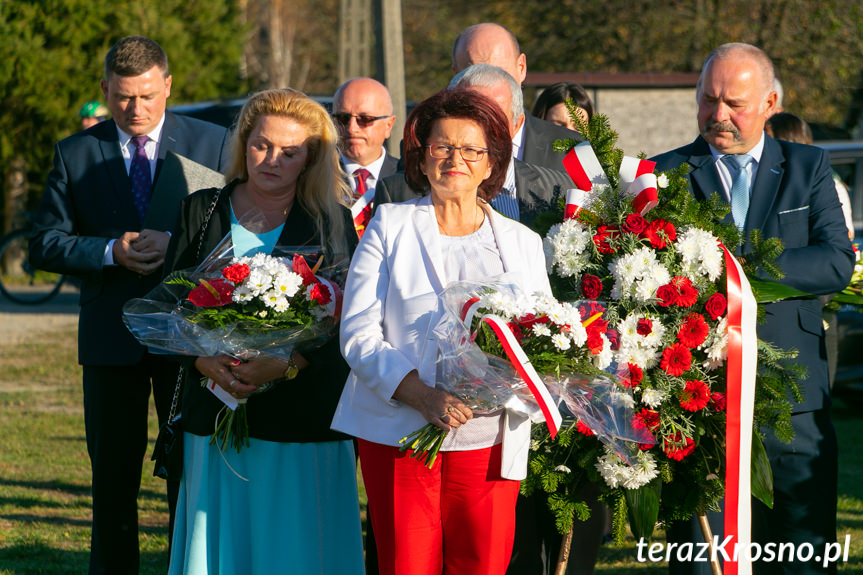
(574, 200)
(740, 408)
(638, 181)
(584, 168)
(515, 354)
(361, 211)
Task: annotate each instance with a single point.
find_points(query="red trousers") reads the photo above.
(458, 517)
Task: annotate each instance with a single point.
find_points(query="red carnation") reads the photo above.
(644, 327)
(320, 294)
(583, 429)
(236, 273)
(694, 396)
(694, 331)
(591, 286)
(603, 234)
(717, 401)
(634, 377)
(634, 224)
(676, 359)
(659, 232)
(673, 449)
(594, 342)
(213, 293)
(715, 305)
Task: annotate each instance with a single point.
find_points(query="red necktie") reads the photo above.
(362, 176)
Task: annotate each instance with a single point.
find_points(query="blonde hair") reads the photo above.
(322, 185)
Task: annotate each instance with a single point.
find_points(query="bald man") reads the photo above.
(490, 43)
(790, 197)
(363, 113)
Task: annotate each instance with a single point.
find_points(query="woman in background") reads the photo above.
(551, 108)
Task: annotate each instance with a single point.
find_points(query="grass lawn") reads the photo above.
(45, 474)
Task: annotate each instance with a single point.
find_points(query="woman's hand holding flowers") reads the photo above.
(440, 408)
(219, 368)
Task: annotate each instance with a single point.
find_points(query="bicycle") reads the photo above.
(33, 286)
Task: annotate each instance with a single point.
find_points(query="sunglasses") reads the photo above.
(363, 121)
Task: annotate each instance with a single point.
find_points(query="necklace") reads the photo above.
(474, 226)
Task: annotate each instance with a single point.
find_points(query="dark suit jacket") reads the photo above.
(794, 199)
(539, 138)
(535, 187)
(87, 202)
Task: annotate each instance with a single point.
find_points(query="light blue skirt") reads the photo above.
(297, 513)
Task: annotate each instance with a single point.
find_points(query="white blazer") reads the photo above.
(390, 308)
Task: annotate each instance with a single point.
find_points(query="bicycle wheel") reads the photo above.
(19, 282)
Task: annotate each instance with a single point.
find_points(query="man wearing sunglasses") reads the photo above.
(363, 114)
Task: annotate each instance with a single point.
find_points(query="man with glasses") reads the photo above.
(363, 113)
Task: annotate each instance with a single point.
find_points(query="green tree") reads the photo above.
(51, 59)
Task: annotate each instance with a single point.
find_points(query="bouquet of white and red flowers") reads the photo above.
(242, 307)
(499, 348)
(640, 245)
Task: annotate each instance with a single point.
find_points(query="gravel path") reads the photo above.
(19, 323)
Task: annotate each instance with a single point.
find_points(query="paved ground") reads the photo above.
(21, 322)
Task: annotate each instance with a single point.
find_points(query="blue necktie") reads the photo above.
(739, 187)
(139, 173)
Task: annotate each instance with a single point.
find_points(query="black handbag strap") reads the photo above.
(172, 414)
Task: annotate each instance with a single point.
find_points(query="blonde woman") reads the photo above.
(281, 504)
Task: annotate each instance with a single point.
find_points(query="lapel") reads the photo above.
(703, 175)
(508, 244)
(765, 188)
(428, 238)
(167, 143)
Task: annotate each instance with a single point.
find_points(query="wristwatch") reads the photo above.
(292, 369)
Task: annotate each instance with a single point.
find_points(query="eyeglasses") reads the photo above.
(363, 121)
(468, 153)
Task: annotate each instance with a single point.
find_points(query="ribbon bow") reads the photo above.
(637, 179)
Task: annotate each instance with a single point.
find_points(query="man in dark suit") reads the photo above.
(528, 189)
(786, 191)
(363, 112)
(102, 219)
(490, 43)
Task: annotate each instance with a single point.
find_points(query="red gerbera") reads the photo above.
(603, 234)
(643, 423)
(694, 396)
(212, 293)
(659, 232)
(583, 429)
(676, 359)
(236, 273)
(677, 447)
(648, 418)
(687, 295)
(694, 331)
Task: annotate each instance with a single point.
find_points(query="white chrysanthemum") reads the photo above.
(274, 299)
(287, 282)
(617, 473)
(258, 282)
(652, 397)
(560, 341)
(541, 330)
(242, 294)
(662, 181)
(622, 399)
(700, 252)
(716, 346)
(637, 275)
(565, 248)
(578, 333)
(642, 350)
(563, 468)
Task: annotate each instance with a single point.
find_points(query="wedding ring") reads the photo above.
(449, 408)
(231, 385)
(444, 417)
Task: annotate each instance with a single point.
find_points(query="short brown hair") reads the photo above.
(133, 56)
(464, 104)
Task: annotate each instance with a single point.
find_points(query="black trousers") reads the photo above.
(116, 403)
(805, 474)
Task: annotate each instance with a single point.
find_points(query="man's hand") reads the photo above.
(141, 252)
